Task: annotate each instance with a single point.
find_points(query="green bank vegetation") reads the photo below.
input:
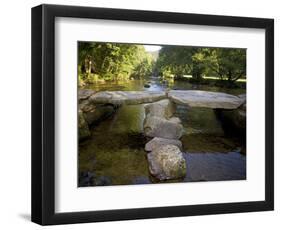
(114, 61)
(220, 63)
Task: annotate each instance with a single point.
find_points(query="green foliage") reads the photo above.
(230, 63)
(115, 61)
(174, 59)
(225, 63)
(112, 61)
(144, 67)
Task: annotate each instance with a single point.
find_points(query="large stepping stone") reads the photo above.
(205, 99)
(160, 127)
(127, 97)
(164, 109)
(167, 162)
(157, 142)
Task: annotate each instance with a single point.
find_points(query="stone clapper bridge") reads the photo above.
(165, 157)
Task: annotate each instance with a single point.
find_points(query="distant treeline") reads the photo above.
(115, 61)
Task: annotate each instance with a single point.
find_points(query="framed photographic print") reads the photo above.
(142, 114)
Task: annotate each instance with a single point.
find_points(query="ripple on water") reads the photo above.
(215, 166)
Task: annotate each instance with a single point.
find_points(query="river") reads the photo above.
(114, 154)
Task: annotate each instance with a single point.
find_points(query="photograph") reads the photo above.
(176, 108)
(152, 113)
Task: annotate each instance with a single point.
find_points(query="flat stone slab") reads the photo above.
(205, 99)
(126, 97)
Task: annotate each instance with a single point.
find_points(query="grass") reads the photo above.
(216, 78)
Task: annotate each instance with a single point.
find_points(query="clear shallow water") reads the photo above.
(215, 166)
(115, 151)
(158, 85)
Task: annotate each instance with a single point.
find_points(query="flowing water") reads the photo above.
(114, 154)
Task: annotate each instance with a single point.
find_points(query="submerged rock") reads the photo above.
(83, 127)
(102, 181)
(95, 113)
(86, 179)
(99, 113)
(141, 180)
(154, 126)
(157, 142)
(167, 162)
(205, 99)
(164, 109)
(91, 179)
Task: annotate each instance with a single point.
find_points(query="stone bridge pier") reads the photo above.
(165, 157)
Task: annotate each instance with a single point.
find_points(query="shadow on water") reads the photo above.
(114, 154)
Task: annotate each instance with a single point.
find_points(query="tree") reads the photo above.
(226, 63)
(181, 61)
(113, 61)
(144, 68)
(85, 58)
(229, 63)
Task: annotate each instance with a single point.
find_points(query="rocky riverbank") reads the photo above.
(90, 114)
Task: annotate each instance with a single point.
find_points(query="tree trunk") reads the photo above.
(89, 68)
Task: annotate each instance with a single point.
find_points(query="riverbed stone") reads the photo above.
(157, 142)
(84, 94)
(83, 127)
(164, 108)
(205, 99)
(94, 113)
(85, 106)
(159, 127)
(126, 97)
(167, 162)
(99, 113)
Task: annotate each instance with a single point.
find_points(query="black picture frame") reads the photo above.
(43, 114)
